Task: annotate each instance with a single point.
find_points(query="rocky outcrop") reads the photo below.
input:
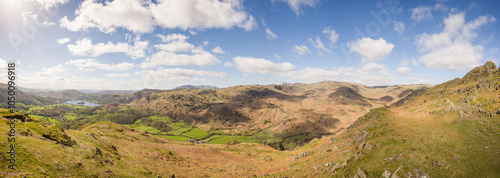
(486, 70)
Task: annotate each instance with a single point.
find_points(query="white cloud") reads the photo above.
(173, 59)
(262, 66)
(399, 27)
(310, 74)
(47, 4)
(403, 71)
(85, 47)
(173, 37)
(201, 14)
(118, 75)
(92, 64)
(296, 5)
(301, 49)
(132, 15)
(176, 46)
(319, 45)
(452, 48)
(179, 52)
(421, 13)
(332, 35)
(270, 35)
(62, 40)
(52, 71)
(3, 64)
(218, 50)
(370, 49)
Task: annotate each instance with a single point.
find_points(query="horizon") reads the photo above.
(134, 45)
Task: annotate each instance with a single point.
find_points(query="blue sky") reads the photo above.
(133, 44)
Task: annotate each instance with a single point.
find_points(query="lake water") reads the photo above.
(75, 102)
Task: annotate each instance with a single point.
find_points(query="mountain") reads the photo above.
(449, 130)
(61, 95)
(21, 97)
(196, 87)
(103, 92)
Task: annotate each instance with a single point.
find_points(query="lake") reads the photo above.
(82, 103)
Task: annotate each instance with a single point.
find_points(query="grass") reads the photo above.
(178, 138)
(43, 118)
(196, 133)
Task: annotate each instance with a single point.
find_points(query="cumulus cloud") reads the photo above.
(331, 34)
(51, 71)
(262, 66)
(85, 47)
(421, 13)
(173, 37)
(201, 14)
(176, 46)
(132, 15)
(319, 45)
(92, 64)
(403, 71)
(296, 5)
(270, 35)
(370, 49)
(301, 49)
(452, 48)
(62, 40)
(180, 52)
(218, 50)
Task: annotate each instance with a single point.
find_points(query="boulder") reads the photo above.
(386, 174)
(361, 173)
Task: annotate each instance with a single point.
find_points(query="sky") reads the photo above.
(162, 44)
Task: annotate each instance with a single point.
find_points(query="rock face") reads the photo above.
(486, 70)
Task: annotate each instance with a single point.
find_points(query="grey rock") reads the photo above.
(361, 173)
(386, 174)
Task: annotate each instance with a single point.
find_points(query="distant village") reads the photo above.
(197, 141)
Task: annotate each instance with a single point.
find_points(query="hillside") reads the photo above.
(22, 98)
(450, 130)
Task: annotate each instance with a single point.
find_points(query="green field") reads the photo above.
(46, 119)
(196, 133)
